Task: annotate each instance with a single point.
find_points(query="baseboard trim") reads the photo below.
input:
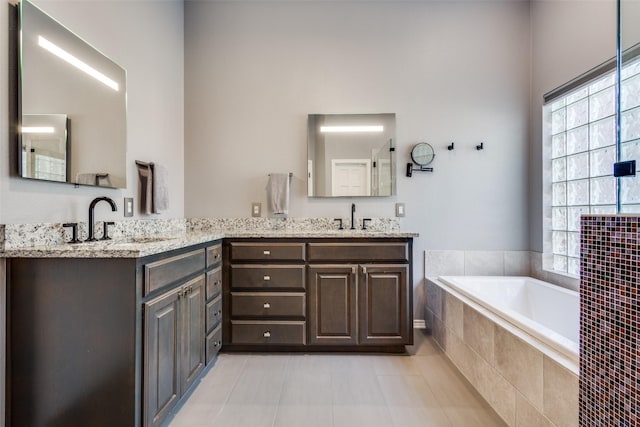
(419, 324)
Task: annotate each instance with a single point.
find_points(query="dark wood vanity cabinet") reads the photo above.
(173, 347)
(109, 341)
(318, 293)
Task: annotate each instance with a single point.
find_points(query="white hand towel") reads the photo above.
(160, 188)
(278, 193)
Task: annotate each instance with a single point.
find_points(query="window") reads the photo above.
(579, 152)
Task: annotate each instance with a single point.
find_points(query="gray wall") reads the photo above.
(451, 71)
(146, 38)
(568, 39)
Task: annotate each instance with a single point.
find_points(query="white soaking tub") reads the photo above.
(548, 312)
(515, 339)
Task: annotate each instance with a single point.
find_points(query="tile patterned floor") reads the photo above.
(334, 390)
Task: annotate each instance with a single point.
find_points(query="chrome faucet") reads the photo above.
(353, 211)
(92, 206)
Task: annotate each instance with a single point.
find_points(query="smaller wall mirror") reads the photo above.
(351, 155)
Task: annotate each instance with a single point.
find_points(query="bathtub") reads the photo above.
(515, 339)
(549, 313)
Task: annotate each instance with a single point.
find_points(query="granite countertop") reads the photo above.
(137, 247)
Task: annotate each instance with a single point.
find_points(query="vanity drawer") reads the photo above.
(214, 255)
(159, 274)
(244, 251)
(268, 277)
(359, 252)
(268, 304)
(273, 332)
(214, 282)
(213, 344)
(214, 313)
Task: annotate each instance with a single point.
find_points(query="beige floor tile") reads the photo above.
(309, 363)
(304, 415)
(395, 365)
(419, 417)
(407, 391)
(307, 389)
(473, 417)
(352, 364)
(355, 389)
(234, 415)
(257, 388)
(361, 416)
(451, 389)
(336, 390)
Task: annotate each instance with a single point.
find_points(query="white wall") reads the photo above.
(451, 71)
(146, 38)
(568, 39)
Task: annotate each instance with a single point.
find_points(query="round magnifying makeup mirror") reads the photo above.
(422, 155)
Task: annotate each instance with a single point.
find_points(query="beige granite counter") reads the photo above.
(134, 239)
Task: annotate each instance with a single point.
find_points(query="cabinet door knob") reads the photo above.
(266, 334)
(216, 256)
(266, 252)
(266, 305)
(267, 278)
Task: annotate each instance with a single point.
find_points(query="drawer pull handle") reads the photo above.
(267, 334)
(267, 278)
(267, 305)
(215, 343)
(216, 256)
(266, 252)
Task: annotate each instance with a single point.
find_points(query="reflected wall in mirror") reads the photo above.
(62, 76)
(351, 155)
(45, 153)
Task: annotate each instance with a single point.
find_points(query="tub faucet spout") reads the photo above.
(92, 206)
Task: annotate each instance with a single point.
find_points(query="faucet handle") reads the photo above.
(74, 231)
(340, 223)
(105, 230)
(364, 223)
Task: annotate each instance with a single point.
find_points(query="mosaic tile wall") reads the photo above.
(609, 321)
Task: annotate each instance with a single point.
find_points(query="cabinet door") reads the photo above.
(161, 356)
(384, 304)
(332, 304)
(193, 331)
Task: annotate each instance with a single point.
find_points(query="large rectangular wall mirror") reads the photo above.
(71, 106)
(351, 155)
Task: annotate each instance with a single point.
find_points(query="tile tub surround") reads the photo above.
(493, 263)
(491, 355)
(610, 310)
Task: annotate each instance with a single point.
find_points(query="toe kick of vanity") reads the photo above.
(317, 294)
